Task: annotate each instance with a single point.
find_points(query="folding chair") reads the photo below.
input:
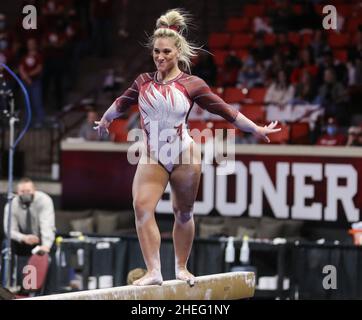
(39, 264)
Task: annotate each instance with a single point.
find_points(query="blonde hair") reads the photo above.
(174, 24)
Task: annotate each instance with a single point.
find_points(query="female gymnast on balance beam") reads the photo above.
(165, 97)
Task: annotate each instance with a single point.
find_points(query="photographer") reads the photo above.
(32, 219)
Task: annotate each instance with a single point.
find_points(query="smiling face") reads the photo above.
(165, 55)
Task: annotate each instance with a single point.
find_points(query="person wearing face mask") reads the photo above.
(32, 219)
(332, 136)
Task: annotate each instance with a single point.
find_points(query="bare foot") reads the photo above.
(149, 278)
(184, 275)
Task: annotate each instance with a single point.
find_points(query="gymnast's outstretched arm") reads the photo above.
(201, 93)
(119, 106)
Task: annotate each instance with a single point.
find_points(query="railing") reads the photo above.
(38, 153)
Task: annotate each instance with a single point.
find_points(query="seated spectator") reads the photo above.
(260, 51)
(251, 74)
(87, 131)
(280, 92)
(354, 136)
(229, 73)
(31, 69)
(327, 62)
(354, 67)
(332, 136)
(306, 63)
(277, 63)
(355, 49)
(332, 96)
(287, 49)
(319, 45)
(205, 68)
(305, 89)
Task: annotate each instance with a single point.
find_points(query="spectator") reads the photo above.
(260, 51)
(354, 136)
(251, 74)
(229, 74)
(277, 63)
(355, 50)
(332, 136)
(305, 89)
(205, 68)
(54, 49)
(87, 131)
(319, 45)
(340, 69)
(31, 69)
(306, 64)
(32, 219)
(287, 49)
(280, 92)
(332, 96)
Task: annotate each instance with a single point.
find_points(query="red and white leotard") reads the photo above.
(167, 105)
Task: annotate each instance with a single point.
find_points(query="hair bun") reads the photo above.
(175, 19)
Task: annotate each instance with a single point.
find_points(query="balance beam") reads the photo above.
(222, 286)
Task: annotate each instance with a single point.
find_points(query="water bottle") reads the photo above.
(245, 252)
(230, 251)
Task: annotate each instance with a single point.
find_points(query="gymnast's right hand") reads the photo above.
(102, 126)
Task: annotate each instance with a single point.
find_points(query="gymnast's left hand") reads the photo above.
(263, 132)
(102, 126)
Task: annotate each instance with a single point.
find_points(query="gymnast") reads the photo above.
(166, 97)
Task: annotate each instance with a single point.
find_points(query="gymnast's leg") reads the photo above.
(184, 181)
(149, 184)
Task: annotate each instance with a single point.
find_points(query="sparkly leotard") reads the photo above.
(164, 109)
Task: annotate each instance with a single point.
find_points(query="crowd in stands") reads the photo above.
(47, 58)
(280, 50)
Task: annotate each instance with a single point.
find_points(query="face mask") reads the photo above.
(26, 199)
(331, 130)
